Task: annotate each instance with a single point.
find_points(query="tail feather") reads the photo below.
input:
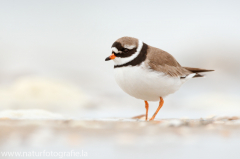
(197, 71)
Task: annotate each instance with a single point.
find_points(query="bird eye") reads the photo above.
(125, 50)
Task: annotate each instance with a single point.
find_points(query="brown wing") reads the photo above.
(162, 61)
(197, 71)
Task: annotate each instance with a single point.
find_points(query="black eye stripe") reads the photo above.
(138, 60)
(121, 48)
(126, 54)
(117, 45)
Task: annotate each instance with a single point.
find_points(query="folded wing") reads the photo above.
(197, 71)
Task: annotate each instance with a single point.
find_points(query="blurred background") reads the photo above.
(52, 59)
(52, 55)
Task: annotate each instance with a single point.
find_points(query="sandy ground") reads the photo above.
(40, 115)
(216, 137)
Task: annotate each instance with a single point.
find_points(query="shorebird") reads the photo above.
(147, 72)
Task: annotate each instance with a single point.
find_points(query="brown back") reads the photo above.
(162, 61)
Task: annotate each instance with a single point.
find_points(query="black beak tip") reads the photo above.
(107, 59)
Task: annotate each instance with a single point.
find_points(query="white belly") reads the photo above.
(141, 83)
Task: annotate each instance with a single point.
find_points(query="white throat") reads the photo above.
(120, 61)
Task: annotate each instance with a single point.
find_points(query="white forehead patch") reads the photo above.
(114, 49)
(129, 46)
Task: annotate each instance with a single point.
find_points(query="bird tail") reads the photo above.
(197, 71)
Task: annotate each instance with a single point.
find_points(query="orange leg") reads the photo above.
(146, 106)
(159, 107)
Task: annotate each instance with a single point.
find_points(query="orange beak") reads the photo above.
(111, 57)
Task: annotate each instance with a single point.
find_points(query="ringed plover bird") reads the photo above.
(148, 73)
